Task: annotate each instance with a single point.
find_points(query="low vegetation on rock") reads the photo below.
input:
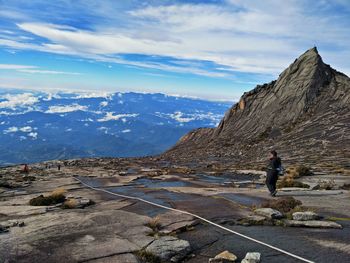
(56, 197)
(147, 257)
(289, 181)
(155, 225)
(299, 171)
(284, 204)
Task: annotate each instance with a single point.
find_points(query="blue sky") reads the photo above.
(209, 49)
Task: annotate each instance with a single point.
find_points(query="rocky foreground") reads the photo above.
(310, 216)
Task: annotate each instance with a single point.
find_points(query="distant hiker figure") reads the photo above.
(273, 170)
(26, 168)
(59, 167)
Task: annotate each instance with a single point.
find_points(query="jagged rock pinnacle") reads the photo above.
(296, 110)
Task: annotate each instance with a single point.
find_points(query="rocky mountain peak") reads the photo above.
(307, 99)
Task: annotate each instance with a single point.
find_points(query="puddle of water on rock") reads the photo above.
(151, 183)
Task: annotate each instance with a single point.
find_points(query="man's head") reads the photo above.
(273, 154)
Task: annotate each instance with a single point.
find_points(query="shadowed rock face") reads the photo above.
(304, 114)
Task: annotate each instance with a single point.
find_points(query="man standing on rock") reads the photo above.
(272, 172)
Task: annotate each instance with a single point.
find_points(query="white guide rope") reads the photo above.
(201, 218)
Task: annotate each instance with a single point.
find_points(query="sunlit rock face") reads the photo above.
(304, 114)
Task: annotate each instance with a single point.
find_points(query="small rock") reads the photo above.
(84, 201)
(251, 257)
(169, 248)
(224, 257)
(269, 213)
(21, 224)
(305, 216)
(3, 229)
(312, 223)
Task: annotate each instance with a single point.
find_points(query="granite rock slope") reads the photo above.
(304, 114)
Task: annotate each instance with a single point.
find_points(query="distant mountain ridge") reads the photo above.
(304, 114)
(37, 126)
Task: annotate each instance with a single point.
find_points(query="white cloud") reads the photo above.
(18, 100)
(88, 95)
(110, 117)
(178, 116)
(237, 35)
(34, 135)
(126, 131)
(33, 69)
(188, 117)
(104, 103)
(11, 130)
(66, 108)
(103, 129)
(26, 129)
(52, 72)
(16, 67)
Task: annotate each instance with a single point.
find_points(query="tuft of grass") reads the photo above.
(288, 181)
(284, 204)
(342, 171)
(147, 257)
(154, 224)
(299, 171)
(70, 204)
(58, 192)
(56, 197)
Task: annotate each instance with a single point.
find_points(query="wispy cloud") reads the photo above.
(217, 39)
(111, 117)
(66, 108)
(34, 69)
(54, 72)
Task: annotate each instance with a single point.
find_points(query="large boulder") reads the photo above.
(305, 216)
(313, 224)
(169, 249)
(224, 257)
(269, 213)
(251, 257)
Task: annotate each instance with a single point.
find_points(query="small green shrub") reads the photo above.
(304, 171)
(155, 225)
(284, 204)
(299, 171)
(54, 198)
(288, 181)
(147, 257)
